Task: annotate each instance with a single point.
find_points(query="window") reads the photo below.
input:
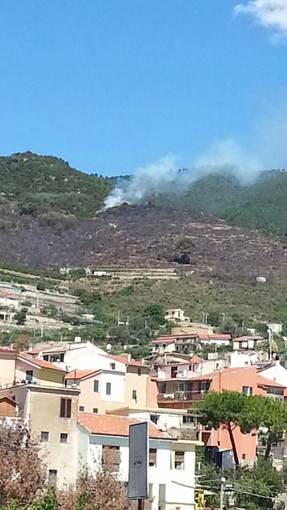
(203, 386)
(139, 371)
(96, 386)
(111, 457)
(95, 410)
(247, 390)
(134, 395)
(44, 437)
(179, 460)
(81, 409)
(108, 388)
(113, 366)
(243, 456)
(52, 477)
(65, 407)
(187, 419)
(29, 376)
(152, 457)
(163, 388)
(63, 437)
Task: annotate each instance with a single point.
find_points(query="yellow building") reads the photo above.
(36, 371)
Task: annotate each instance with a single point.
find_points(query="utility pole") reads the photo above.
(270, 335)
(222, 488)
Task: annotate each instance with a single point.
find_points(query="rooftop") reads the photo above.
(39, 363)
(263, 381)
(126, 361)
(110, 425)
(247, 337)
(80, 374)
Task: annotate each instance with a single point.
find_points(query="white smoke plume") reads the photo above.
(225, 158)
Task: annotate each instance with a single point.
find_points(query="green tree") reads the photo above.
(156, 313)
(184, 249)
(258, 487)
(41, 285)
(20, 317)
(268, 416)
(224, 408)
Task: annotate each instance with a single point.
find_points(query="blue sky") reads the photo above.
(110, 85)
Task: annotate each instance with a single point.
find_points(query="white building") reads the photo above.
(76, 355)
(9, 299)
(275, 372)
(176, 315)
(171, 471)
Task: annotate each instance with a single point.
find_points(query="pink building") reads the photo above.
(181, 392)
(7, 366)
(125, 383)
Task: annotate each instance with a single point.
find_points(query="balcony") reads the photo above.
(180, 399)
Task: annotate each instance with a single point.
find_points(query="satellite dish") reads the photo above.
(108, 347)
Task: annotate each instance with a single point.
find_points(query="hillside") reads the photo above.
(31, 185)
(261, 206)
(144, 236)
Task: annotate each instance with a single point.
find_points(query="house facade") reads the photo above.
(185, 392)
(36, 371)
(51, 415)
(7, 366)
(171, 471)
(125, 383)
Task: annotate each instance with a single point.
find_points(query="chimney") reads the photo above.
(78, 339)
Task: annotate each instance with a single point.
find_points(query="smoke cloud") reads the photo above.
(226, 157)
(162, 176)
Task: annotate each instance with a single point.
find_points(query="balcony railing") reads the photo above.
(181, 396)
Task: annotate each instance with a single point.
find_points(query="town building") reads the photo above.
(171, 470)
(51, 416)
(247, 342)
(38, 372)
(9, 299)
(184, 391)
(125, 382)
(176, 315)
(7, 366)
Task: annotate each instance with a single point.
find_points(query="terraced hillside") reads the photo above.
(146, 236)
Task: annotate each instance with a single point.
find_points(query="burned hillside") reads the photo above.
(145, 236)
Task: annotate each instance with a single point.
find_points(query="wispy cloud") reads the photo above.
(271, 14)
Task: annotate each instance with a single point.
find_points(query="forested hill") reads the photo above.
(33, 186)
(262, 206)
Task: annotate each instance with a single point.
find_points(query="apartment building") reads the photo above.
(183, 392)
(51, 415)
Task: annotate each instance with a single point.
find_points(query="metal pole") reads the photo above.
(222, 487)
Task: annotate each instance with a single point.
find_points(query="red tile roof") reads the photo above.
(5, 348)
(247, 337)
(9, 295)
(164, 340)
(215, 336)
(267, 382)
(132, 362)
(80, 374)
(40, 363)
(111, 425)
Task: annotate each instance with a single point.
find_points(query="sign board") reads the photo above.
(138, 461)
